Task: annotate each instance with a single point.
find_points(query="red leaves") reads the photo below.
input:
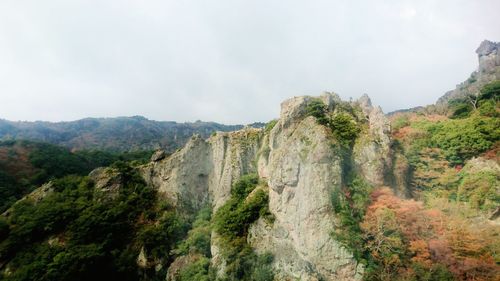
(394, 225)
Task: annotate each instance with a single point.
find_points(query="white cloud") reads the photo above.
(230, 61)
(408, 13)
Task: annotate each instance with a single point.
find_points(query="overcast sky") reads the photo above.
(230, 61)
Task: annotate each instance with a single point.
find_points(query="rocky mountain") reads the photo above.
(116, 134)
(301, 164)
(488, 54)
(332, 190)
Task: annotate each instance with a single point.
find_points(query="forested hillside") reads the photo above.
(25, 165)
(78, 232)
(114, 134)
(449, 229)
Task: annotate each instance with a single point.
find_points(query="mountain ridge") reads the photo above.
(115, 133)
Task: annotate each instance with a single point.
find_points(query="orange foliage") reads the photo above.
(429, 237)
(421, 253)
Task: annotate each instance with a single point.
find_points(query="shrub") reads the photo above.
(480, 190)
(460, 108)
(262, 270)
(231, 222)
(345, 128)
(491, 91)
(463, 139)
(234, 217)
(244, 186)
(488, 108)
(343, 125)
(198, 239)
(400, 122)
(160, 238)
(318, 109)
(196, 271)
(408, 242)
(350, 205)
(270, 125)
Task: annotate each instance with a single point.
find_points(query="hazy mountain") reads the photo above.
(117, 134)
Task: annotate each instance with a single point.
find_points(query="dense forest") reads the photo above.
(91, 235)
(25, 165)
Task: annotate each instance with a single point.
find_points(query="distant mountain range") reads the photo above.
(114, 134)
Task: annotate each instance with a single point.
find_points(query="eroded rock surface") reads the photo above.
(302, 165)
(303, 170)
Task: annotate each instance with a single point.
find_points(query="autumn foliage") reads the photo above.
(409, 242)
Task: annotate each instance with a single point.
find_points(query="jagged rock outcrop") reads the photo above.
(204, 170)
(488, 70)
(182, 178)
(158, 155)
(372, 150)
(489, 59)
(302, 165)
(302, 172)
(107, 181)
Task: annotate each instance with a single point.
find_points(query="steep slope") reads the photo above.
(116, 134)
(302, 163)
(24, 165)
(452, 168)
(488, 54)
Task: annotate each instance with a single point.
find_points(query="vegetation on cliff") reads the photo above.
(25, 165)
(77, 232)
(343, 123)
(231, 222)
(445, 235)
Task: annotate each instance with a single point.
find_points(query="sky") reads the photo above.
(230, 61)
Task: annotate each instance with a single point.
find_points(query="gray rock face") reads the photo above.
(489, 58)
(107, 181)
(488, 71)
(203, 171)
(182, 178)
(372, 150)
(233, 155)
(487, 47)
(303, 171)
(158, 155)
(302, 165)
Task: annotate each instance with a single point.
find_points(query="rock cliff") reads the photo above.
(302, 164)
(488, 70)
